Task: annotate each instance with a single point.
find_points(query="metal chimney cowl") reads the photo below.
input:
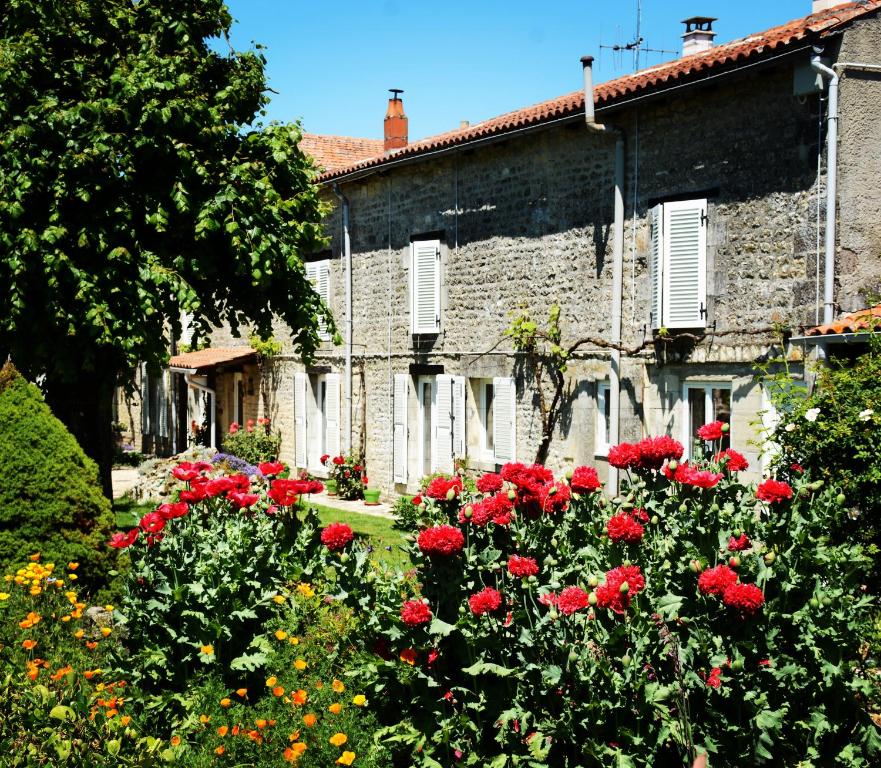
(395, 127)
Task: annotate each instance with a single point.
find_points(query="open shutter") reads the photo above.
(145, 401)
(162, 406)
(443, 442)
(458, 417)
(504, 419)
(399, 447)
(685, 264)
(323, 287)
(186, 327)
(656, 261)
(332, 414)
(425, 279)
(300, 425)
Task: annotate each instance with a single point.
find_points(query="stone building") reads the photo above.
(683, 224)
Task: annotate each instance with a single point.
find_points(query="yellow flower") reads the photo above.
(72, 577)
(271, 681)
(204, 719)
(279, 599)
(79, 634)
(300, 665)
(35, 591)
(335, 708)
(225, 702)
(306, 590)
(294, 640)
(347, 758)
(105, 631)
(338, 686)
(4, 595)
(360, 700)
(280, 634)
(108, 608)
(338, 739)
(35, 557)
(125, 720)
(208, 650)
(294, 736)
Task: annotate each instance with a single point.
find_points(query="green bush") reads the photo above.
(50, 496)
(254, 444)
(348, 473)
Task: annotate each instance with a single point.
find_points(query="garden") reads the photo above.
(529, 619)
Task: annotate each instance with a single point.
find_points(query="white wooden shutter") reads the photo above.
(186, 327)
(504, 420)
(145, 401)
(399, 439)
(685, 264)
(332, 414)
(300, 425)
(425, 280)
(656, 261)
(443, 442)
(162, 406)
(458, 416)
(323, 287)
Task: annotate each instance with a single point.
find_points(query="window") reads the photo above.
(401, 432)
(316, 418)
(604, 411)
(504, 417)
(425, 392)
(238, 410)
(441, 423)
(318, 273)
(154, 404)
(487, 422)
(425, 310)
(678, 264)
(703, 403)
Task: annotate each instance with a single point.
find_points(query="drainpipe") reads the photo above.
(347, 256)
(617, 260)
(831, 185)
(213, 395)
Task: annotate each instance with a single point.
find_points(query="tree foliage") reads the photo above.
(135, 184)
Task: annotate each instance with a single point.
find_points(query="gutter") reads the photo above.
(617, 260)
(347, 256)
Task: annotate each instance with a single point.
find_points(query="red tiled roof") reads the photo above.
(202, 359)
(333, 152)
(733, 54)
(852, 322)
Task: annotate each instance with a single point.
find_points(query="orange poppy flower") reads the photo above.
(335, 708)
(29, 645)
(225, 702)
(222, 730)
(241, 692)
(310, 720)
(175, 741)
(278, 691)
(220, 750)
(338, 686)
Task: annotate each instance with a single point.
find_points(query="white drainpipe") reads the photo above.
(347, 256)
(617, 261)
(831, 186)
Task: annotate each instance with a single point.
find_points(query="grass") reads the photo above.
(386, 541)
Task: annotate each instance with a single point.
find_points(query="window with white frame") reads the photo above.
(485, 396)
(316, 418)
(603, 419)
(702, 403)
(678, 264)
(318, 273)
(425, 293)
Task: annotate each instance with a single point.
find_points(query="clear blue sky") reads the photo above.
(332, 62)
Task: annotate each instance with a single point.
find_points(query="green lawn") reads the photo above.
(386, 541)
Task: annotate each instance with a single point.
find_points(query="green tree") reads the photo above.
(136, 183)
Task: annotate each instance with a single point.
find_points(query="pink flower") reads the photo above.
(485, 601)
(584, 480)
(711, 431)
(774, 491)
(548, 598)
(414, 613)
(336, 536)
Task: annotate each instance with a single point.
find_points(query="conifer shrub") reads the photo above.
(50, 496)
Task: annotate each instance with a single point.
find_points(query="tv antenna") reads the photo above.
(636, 46)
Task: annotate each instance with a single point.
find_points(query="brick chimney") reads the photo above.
(395, 135)
(698, 35)
(824, 5)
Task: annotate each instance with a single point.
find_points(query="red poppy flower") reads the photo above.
(732, 461)
(339, 460)
(522, 567)
(172, 511)
(711, 431)
(485, 601)
(442, 540)
(243, 500)
(185, 471)
(270, 468)
(654, 451)
(336, 536)
(121, 540)
(624, 456)
(747, 599)
(714, 581)
(620, 585)
(585, 480)
(774, 491)
(152, 522)
(323, 459)
(441, 487)
(490, 483)
(416, 501)
(414, 613)
(739, 544)
(572, 599)
(624, 528)
(715, 678)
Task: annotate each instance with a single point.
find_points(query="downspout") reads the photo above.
(831, 185)
(617, 261)
(213, 395)
(347, 256)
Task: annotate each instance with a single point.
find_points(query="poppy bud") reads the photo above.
(624, 588)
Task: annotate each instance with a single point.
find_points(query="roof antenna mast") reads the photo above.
(637, 44)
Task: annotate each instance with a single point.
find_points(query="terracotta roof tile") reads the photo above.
(202, 359)
(852, 322)
(733, 54)
(333, 152)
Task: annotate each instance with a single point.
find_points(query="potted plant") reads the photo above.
(330, 486)
(371, 497)
(347, 474)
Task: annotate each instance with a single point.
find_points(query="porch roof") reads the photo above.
(204, 359)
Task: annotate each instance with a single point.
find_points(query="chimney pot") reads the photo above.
(395, 127)
(698, 35)
(464, 124)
